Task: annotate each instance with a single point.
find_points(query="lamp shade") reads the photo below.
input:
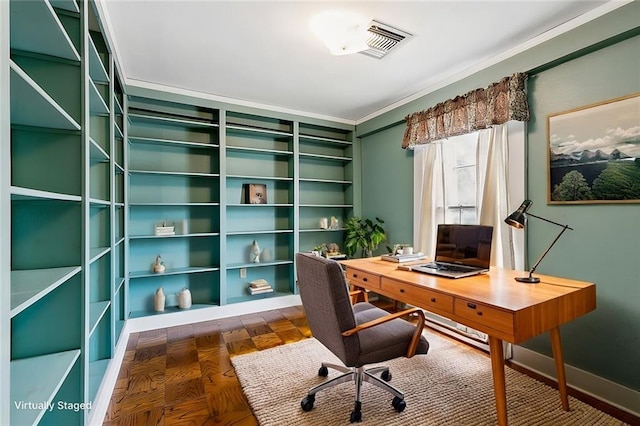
(518, 219)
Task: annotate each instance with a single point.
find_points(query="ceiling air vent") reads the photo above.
(382, 39)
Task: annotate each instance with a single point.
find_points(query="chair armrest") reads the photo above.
(413, 345)
(354, 293)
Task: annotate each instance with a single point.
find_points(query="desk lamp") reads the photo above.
(518, 219)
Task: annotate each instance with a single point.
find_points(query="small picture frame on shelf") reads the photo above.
(255, 193)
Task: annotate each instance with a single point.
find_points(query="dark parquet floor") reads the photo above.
(183, 375)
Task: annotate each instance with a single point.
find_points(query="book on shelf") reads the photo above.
(402, 258)
(165, 230)
(260, 283)
(259, 286)
(261, 290)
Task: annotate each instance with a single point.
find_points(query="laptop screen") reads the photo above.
(468, 245)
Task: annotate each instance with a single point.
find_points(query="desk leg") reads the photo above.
(556, 346)
(499, 387)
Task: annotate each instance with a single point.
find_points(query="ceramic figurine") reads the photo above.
(254, 252)
(334, 223)
(159, 300)
(158, 266)
(184, 298)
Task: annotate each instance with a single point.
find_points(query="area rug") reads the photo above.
(450, 386)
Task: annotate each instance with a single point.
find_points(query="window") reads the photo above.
(459, 179)
(472, 179)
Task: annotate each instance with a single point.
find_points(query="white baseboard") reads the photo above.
(103, 396)
(602, 389)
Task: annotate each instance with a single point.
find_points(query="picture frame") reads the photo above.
(255, 193)
(594, 153)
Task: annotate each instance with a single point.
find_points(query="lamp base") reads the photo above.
(528, 280)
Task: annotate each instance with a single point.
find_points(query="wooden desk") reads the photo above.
(493, 303)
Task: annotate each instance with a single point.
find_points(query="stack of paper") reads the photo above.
(401, 258)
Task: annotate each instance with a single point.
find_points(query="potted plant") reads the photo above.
(363, 234)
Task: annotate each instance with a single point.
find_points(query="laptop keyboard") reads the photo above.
(445, 267)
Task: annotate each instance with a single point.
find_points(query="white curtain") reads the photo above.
(492, 168)
(492, 198)
(428, 196)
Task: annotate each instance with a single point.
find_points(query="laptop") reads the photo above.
(461, 251)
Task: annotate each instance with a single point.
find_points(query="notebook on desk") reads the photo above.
(461, 251)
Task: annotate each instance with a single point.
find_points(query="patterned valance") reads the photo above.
(478, 109)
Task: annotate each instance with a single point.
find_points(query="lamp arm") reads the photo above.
(550, 221)
(564, 228)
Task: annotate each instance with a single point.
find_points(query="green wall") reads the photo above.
(605, 244)
(387, 191)
(595, 62)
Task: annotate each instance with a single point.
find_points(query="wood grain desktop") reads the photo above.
(493, 303)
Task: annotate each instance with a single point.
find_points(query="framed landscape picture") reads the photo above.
(594, 153)
(255, 193)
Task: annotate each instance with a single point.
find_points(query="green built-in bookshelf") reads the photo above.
(67, 203)
(195, 168)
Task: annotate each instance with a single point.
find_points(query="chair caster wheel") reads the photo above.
(356, 417)
(399, 404)
(386, 376)
(307, 402)
(323, 371)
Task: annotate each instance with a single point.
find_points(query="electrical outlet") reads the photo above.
(243, 272)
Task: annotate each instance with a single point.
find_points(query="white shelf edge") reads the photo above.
(325, 140)
(332, 181)
(65, 5)
(97, 252)
(97, 152)
(96, 312)
(177, 143)
(97, 105)
(258, 130)
(175, 271)
(257, 206)
(96, 68)
(259, 150)
(54, 40)
(29, 286)
(174, 204)
(38, 105)
(165, 173)
(132, 117)
(153, 237)
(233, 266)
(19, 193)
(38, 380)
(280, 178)
(97, 370)
(268, 231)
(310, 156)
(97, 202)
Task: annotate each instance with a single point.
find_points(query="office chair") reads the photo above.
(357, 334)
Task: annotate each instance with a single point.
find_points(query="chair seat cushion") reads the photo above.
(385, 341)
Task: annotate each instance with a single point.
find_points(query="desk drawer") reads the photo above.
(485, 315)
(363, 279)
(418, 296)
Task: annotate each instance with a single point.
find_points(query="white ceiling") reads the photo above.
(262, 53)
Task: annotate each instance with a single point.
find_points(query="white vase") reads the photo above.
(184, 298)
(159, 300)
(254, 252)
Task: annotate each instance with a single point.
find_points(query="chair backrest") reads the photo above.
(326, 301)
